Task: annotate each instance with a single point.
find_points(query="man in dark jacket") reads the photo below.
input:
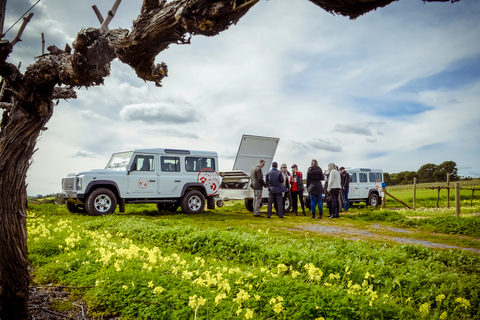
(257, 186)
(275, 189)
(345, 187)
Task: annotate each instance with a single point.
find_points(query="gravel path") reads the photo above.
(359, 232)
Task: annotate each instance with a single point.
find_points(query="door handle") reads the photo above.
(177, 180)
(152, 180)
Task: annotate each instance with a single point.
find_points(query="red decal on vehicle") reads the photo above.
(210, 179)
(142, 183)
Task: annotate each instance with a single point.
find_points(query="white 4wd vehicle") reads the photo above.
(366, 186)
(168, 177)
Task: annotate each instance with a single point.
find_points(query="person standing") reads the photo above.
(286, 183)
(334, 187)
(345, 187)
(275, 189)
(257, 185)
(315, 189)
(296, 181)
(340, 193)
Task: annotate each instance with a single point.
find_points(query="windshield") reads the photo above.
(119, 161)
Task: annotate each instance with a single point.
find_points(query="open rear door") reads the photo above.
(254, 148)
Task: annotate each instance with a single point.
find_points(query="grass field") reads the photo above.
(225, 264)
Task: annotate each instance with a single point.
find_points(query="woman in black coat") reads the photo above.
(315, 188)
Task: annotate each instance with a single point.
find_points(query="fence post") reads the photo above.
(438, 196)
(457, 199)
(448, 190)
(414, 192)
(384, 198)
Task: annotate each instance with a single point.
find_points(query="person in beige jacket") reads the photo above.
(333, 188)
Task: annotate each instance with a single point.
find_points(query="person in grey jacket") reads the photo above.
(315, 189)
(257, 185)
(275, 190)
(334, 187)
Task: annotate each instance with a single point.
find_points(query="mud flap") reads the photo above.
(211, 203)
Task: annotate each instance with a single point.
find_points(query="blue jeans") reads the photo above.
(346, 203)
(314, 200)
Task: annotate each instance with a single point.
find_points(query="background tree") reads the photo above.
(444, 168)
(28, 99)
(387, 179)
(425, 173)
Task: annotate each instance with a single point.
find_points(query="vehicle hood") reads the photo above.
(99, 172)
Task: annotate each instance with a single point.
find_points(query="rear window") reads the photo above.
(197, 164)
(170, 164)
(375, 177)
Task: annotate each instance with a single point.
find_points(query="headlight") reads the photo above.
(79, 183)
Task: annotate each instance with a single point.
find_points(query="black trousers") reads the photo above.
(295, 195)
(277, 198)
(334, 204)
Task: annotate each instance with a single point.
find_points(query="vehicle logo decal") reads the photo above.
(142, 183)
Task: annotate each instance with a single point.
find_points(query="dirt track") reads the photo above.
(347, 233)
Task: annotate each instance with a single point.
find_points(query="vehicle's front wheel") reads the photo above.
(100, 202)
(373, 200)
(193, 202)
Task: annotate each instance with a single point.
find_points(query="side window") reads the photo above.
(197, 164)
(143, 163)
(363, 177)
(170, 164)
(353, 177)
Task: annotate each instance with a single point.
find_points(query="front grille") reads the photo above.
(68, 183)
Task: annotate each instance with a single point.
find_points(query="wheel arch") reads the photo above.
(111, 185)
(194, 186)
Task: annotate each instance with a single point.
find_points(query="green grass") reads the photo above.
(225, 264)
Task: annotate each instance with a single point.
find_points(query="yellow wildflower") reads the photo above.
(440, 297)
(158, 290)
(424, 309)
(219, 297)
(249, 314)
(239, 310)
(444, 315)
(463, 302)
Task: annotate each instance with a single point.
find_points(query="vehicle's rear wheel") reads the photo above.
(373, 200)
(306, 201)
(249, 204)
(193, 202)
(172, 207)
(101, 201)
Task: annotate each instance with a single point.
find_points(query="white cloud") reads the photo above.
(288, 69)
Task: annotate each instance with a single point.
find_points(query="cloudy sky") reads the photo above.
(395, 89)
